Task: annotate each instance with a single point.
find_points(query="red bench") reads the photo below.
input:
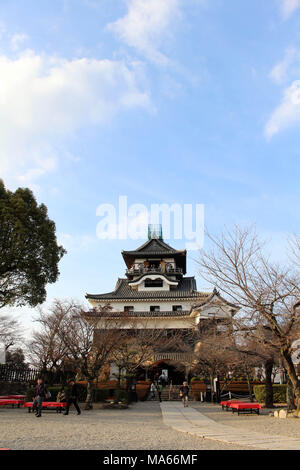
(58, 406)
(226, 404)
(17, 397)
(245, 407)
(12, 397)
(12, 402)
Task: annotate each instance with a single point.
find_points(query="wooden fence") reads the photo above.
(17, 374)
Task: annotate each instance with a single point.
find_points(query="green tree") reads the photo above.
(29, 253)
(16, 358)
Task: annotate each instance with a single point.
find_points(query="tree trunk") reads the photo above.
(128, 388)
(117, 391)
(249, 384)
(269, 384)
(290, 395)
(89, 395)
(211, 389)
(290, 368)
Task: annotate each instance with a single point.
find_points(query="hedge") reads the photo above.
(101, 394)
(120, 395)
(279, 393)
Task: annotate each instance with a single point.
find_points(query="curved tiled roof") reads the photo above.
(152, 273)
(186, 289)
(154, 246)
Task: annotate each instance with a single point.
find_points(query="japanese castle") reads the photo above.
(157, 292)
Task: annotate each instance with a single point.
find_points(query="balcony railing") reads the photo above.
(148, 313)
(174, 357)
(154, 269)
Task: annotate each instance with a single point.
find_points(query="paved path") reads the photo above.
(139, 427)
(193, 422)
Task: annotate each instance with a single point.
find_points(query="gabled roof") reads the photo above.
(186, 289)
(215, 295)
(157, 248)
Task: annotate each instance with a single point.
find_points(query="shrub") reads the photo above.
(101, 395)
(120, 395)
(279, 393)
(54, 391)
(29, 394)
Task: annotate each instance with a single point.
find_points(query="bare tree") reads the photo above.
(215, 351)
(90, 338)
(10, 332)
(138, 346)
(47, 349)
(268, 293)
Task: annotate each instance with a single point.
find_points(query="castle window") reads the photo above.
(153, 283)
(128, 309)
(154, 308)
(176, 308)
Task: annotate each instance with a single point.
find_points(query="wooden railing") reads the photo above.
(155, 269)
(173, 356)
(10, 373)
(156, 313)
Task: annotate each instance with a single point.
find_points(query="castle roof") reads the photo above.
(185, 290)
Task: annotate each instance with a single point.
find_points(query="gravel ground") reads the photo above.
(262, 423)
(139, 427)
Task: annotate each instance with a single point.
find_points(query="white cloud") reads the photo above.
(44, 99)
(288, 7)
(280, 71)
(75, 243)
(17, 40)
(287, 113)
(146, 25)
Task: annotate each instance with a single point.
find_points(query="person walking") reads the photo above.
(133, 392)
(152, 390)
(159, 390)
(72, 398)
(184, 393)
(40, 394)
(163, 379)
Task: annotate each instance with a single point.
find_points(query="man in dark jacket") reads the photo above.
(40, 395)
(72, 398)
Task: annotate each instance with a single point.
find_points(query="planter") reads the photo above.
(198, 387)
(142, 390)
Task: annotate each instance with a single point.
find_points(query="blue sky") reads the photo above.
(164, 101)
